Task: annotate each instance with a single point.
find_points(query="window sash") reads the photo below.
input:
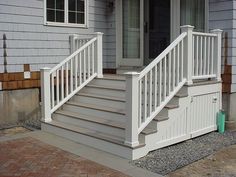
(66, 15)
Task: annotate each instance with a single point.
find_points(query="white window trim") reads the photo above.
(66, 24)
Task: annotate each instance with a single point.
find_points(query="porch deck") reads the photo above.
(130, 115)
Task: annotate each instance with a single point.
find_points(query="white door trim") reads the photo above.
(120, 61)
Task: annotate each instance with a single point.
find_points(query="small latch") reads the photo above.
(215, 99)
(191, 99)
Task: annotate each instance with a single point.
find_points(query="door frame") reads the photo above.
(120, 61)
(174, 31)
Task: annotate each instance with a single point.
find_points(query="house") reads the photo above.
(166, 85)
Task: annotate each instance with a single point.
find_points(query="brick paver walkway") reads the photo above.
(28, 157)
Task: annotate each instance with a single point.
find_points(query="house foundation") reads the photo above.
(19, 106)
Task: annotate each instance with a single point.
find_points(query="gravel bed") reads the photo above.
(169, 159)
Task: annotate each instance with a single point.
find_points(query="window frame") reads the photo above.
(66, 16)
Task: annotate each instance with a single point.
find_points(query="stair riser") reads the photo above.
(105, 92)
(105, 82)
(90, 141)
(90, 125)
(93, 112)
(99, 101)
(174, 101)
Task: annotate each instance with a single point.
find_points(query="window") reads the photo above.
(66, 12)
(193, 12)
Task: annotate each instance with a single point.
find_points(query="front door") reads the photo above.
(130, 32)
(157, 28)
(144, 28)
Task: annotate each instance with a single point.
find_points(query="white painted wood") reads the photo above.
(203, 112)
(217, 52)
(57, 73)
(132, 105)
(45, 94)
(99, 55)
(188, 49)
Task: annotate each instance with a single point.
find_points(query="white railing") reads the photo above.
(204, 55)
(77, 41)
(148, 92)
(62, 82)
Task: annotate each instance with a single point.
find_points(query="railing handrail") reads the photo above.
(164, 53)
(63, 81)
(204, 34)
(149, 91)
(73, 55)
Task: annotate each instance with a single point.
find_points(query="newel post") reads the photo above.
(217, 53)
(99, 54)
(188, 53)
(131, 131)
(45, 94)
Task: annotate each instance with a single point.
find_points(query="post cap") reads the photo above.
(99, 33)
(131, 73)
(45, 68)
(216, 31)
(187, 26)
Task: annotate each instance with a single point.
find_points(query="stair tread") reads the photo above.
(95, 119)
(171, 106)
(113, 77)
(91, 133)
(161, 118)
(102, 97)
(97, 107)
(181, 95)
(105, 87)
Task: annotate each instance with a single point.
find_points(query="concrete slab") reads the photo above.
(89, 153)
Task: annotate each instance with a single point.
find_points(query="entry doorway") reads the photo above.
(157, 28)
(144, 28)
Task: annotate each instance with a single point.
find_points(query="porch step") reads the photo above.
(181, 95)
(91, 133)
(111, 98)
(106, 87)
(171, 106)
(116, 81)
(105, 90)
(160, 118)
(97, 107)
(101, 121)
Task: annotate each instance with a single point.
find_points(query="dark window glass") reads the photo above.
(51, 15)
(59, 16)
(56, 13)
(80, 18)
(80, 5)
(60, 4)
(72, 5)
(72, 17)
(51, 4)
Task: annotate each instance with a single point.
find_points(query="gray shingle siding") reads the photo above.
(222, 14)
(29, 41)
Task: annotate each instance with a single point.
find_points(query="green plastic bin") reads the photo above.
(221, 122)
